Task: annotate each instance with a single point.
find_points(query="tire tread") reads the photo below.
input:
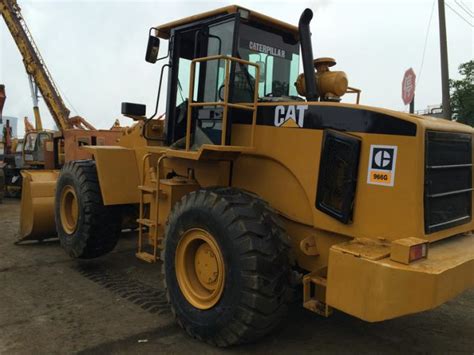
(263, 244)
(101, 224)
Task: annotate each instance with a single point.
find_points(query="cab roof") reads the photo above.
(164, 31)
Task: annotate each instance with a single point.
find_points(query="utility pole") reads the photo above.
(444, 60)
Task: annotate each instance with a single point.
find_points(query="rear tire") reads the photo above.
(254, 249)
(86, 228)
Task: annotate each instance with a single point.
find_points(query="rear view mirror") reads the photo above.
(152, 49)
(135, 111)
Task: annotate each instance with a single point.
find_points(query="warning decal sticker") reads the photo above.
(382, 162)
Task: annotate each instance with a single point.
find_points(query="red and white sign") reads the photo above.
(408, 86)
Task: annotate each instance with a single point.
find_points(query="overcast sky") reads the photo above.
(95, 49)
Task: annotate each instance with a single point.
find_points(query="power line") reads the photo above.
(426, 42)
(67, 99)
(466, 9)
(459, 15)
(69, 102)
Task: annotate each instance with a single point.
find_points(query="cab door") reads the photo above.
(216, 37)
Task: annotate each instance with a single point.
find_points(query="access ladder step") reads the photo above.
(149, 258)
(149, 189)
(146, 222)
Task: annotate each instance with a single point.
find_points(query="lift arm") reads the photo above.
(35, 65)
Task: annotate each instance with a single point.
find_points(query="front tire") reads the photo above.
(86, 228)
(234, 286)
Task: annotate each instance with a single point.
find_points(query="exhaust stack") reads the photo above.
(307, 55)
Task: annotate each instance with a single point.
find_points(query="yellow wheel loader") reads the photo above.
(252, 185)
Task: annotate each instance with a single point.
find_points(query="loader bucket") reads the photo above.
(37, 205)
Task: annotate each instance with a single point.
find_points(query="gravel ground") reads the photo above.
(52, 304)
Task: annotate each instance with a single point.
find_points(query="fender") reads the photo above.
(117, 170)
(275, 183)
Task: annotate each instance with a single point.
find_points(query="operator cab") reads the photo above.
(232, 32)
(235, 32)
(34, 147)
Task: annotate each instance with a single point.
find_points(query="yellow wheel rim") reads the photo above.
(69, 210)
(200, 268)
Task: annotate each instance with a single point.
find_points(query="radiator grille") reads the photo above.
(448, 180)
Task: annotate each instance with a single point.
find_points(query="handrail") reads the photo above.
(225, 103)
(141, 202)
(352, 90)
(242, 106)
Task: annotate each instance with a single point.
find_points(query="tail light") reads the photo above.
(408, 250)
(419, 251)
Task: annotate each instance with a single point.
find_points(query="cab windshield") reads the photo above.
(30, 142)
(277, 56)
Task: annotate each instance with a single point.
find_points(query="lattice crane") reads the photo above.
(39, 75)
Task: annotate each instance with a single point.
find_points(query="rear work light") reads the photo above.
(408, 250)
